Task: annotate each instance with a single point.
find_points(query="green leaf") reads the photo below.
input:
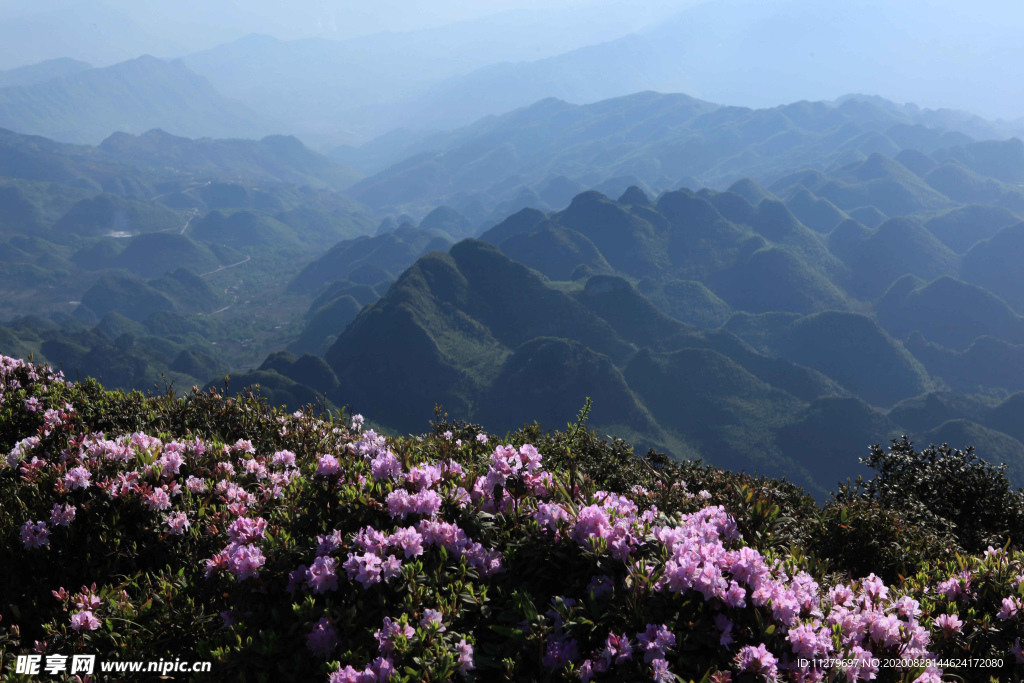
(506, 631)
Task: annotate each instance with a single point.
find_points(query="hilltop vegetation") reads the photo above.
(290, 545)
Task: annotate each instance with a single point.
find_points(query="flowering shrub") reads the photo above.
(292, 547)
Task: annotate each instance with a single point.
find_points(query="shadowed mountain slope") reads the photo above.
(393, 251)
(960, 229)
(947, 311)
(853, 350)
(995, 264)
(454, 319)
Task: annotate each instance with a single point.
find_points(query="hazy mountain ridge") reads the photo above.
(133, 96)
(665, 141)
(749, 53)
(42, 72)
(148, 164)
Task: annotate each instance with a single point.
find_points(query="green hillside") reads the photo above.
(858, 354)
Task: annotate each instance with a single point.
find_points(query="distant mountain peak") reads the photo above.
(634, 196)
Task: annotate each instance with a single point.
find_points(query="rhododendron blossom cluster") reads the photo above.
(431, 537)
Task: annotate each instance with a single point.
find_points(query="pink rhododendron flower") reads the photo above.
(560, 652)
(390, 568)
(885, 630)
(863, 665)
(283, 459)
(157, 499)
(660, 672)
(423, 477)
(426, 503)
(1009, 608)
(86, 599)
(77, 478)
(908, 607)
(62, 515)
(327, 465)
(35, 534)
(408, 540)
(365, 568)
(321, 575)
(432, 617)
(350, 675)
(386, 466)
(177, 522)
(1017, 651)
(950, 588)
(244, 561)
(399, 503)
(724, 626)
(170, 463)
(244, 530)
(949, 623)
(383, 667)
(323, 639)
(84, 620)
(874, 587)
(655, 641)
(371, 540)
(617, 648)
(465, 656)
(389, 632)
(530, 458)
(758, 660)
(329, 543)
(243, 446)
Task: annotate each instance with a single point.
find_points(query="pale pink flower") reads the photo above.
(84, 620)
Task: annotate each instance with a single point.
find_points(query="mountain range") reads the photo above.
(540, 156)
(86, 106)
(709, 324)
(331, 92)
(756, 54)
(767, 289)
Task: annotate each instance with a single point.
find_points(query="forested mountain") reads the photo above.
(753, 287)
(534, 157)
(819, 333)
(86, 106)
(155, 258)
(862, 271)
(156, 160)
